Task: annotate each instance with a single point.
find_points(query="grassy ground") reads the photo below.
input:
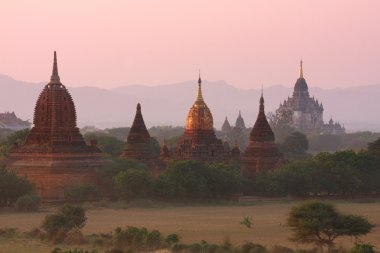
(193, 223)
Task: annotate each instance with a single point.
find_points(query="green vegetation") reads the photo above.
(194, 180)
(294, 146)
(29, 202)
(339, 173)
(320, 224)
(68, 217)
(12, 187)
(107, 143)
(85, 192)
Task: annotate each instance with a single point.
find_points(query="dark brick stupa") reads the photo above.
(138, 146)
(261, 153)
(199, 141)
(55, 155)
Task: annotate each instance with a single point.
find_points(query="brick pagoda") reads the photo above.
(138, 146)
(261, 153)
(55, 155)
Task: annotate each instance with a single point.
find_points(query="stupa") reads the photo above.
(261, 153)
(55, 155)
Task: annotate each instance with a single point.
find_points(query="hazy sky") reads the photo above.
(246, 43)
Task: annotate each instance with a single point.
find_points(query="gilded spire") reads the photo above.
(301, 70)
(54, 76)
(199, 97)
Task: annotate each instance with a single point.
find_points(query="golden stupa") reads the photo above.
(199, 116)
(199, 141)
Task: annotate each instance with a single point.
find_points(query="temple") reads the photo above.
(237, 134)
(55, 155)
(303, 113)
(199, 141)
(10, 121)
(138, 145)
(261, 153)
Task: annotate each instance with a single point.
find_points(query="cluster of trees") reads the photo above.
(182, 181)
(339, 173)
(12, 187)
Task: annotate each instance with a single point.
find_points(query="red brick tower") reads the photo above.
(138, 144)
(261, 153)
(54, 155)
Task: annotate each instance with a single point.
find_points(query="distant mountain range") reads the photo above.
(357, 108)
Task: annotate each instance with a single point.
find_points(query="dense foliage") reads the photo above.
(12, 187)
(67, 218)
(29, 202)
(339, 173)
(194, 180)
(320, 223)
(85, 192)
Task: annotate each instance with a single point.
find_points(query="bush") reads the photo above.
(281, 249)
(172, 239)
(250, 247)
(136, 239)
(85, 192)
(28, 203)
(75, 237)
(8, 232)
(67, 218)
(362, 248)
(12, 187)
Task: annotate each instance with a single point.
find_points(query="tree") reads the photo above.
(295, 146)
(320, 223)
(133, 183)
(281, 124)
(107, 143)
(12, 187)
(67, 218)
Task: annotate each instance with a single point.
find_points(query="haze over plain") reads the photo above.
(245, 44)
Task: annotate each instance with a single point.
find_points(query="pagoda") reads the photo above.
(199, 141)
(55, 155)
(261, 153)
(138, 145)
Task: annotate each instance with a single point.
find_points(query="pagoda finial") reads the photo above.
(199, 97)
(301, 69)
(138, 108)
(54, 76)
(262, 100)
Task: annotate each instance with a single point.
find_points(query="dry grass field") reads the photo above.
(195, 223)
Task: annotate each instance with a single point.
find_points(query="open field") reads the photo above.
(196, 223)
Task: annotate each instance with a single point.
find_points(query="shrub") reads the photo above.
(12, 187)
(85, 192)
(281, 249)
(136, 239)
(250, 247)
(172, 239)
(7, 232)
(28, 203)
(362, 248)
(67, 218)
(75, 237)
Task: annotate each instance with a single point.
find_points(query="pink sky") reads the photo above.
(245, 43)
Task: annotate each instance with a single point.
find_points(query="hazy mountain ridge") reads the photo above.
(357, 107)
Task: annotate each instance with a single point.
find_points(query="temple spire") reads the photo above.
(262, 99)
(301, 70)
(199, 97)
(54, 76)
